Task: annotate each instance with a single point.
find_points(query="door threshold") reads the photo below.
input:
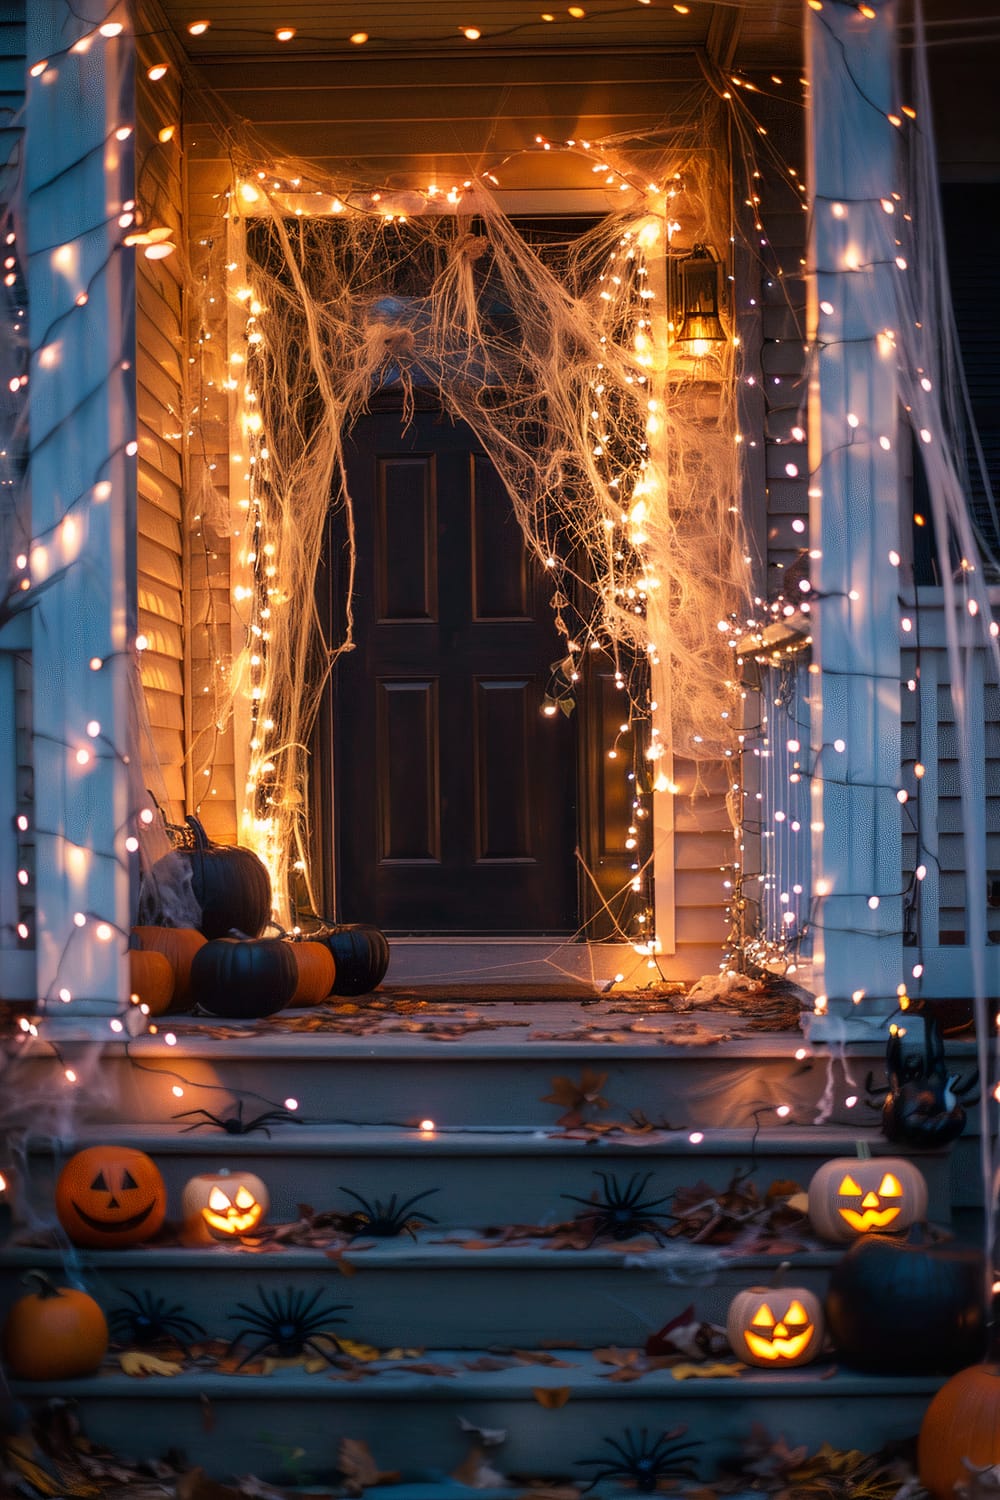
(510, 961)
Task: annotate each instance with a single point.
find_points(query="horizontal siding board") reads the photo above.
(158, 491)
(159, 452)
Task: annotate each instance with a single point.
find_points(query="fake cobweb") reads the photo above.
(616, 444)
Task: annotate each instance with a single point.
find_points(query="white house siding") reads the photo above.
(161, 374)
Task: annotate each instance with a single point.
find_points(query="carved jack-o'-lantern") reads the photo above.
(110, 1195)
(775, 1326)
(222, 1206)
(849, 1197)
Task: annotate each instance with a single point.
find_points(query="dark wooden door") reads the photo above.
(454, 795)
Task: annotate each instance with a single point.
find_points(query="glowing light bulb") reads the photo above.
(198, 28)
(156, 72)
(285, 33)
(359, 38)
(471, 33)
(696, 1137)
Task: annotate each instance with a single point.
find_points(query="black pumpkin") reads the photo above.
(360, 952)
(244, 977)
(230, 884)
(906, 1306)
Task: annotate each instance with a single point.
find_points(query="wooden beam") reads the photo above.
(724, 31)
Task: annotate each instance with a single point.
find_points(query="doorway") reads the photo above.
(455, 796)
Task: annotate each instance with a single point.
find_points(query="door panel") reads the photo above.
(455, 796)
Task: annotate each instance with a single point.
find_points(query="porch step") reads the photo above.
(427, 1293)
(484, 1175)
(500, 1074)
(552, 1415)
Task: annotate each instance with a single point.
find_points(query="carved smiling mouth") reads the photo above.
(779, 1348)
(872, 1218)
(115, 1226)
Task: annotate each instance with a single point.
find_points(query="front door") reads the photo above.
(455, 796)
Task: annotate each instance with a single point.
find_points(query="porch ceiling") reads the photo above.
(763, 32)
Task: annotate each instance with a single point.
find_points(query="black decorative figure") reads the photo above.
(150, 1321)
(921, 1106)
(634, 1459)
(285, 1327)
(622, 1212)
(383, 1221)
(234, 1124)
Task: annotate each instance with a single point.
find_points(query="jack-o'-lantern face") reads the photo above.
(233, 1215)
(222, 1205)
(110, 1195)
(775, 1327)
(870, 1210)
(777, 1339)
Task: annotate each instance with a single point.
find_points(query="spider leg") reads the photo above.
(252, 1353)
(366, 1206)
(403, 1207)
(322, 1353)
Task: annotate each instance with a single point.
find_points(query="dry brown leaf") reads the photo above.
(429, 1369)
(720, 1368)
(357, 1464)
(615, 1356)
(196, 1485)
(477, 1472)
(576, 1097)
(364, 1352)
(138, 1363)
(540, 1357)
(551, 1396)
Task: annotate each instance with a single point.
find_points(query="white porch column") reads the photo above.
(854, 517)
(82, 475)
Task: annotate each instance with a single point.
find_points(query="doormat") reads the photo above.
(474, 994)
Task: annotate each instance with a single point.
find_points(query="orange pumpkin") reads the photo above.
(962, 1422)
(222, 1205)
(179, 945)
(151, 977)
(107, 1196)
(317, 971)
(54, 1333)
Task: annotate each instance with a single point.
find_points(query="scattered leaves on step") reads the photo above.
(719, 1369)
(488, 1363)
(196, 1485)
(139, 1363)
(541, 1357)
(543, 1491)
(477, 1472)
(576, 1097)
(551, 1396)
(427, 1368)
(687, 1335)
(398, 1353)
(359, 1469)
(365, 1352)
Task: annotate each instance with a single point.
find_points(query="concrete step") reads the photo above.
(499, 1176)
(552, 1415)
(426, 1292)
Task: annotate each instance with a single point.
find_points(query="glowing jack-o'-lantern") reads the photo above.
(222, 1206)
(877, 1195)
(775, 1326)
(108, 1196)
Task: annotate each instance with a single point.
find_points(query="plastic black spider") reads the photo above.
(666, 1459)
(922, 1104)
(385, 1220)
(150, 1321)
(623, 1212)
(235, 1124)
(287, 1326)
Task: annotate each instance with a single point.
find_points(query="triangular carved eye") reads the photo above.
(128, 1181)
(763, 1317)
(100, 1184)
(218, 1201)
(244, 1197)
(890, 1187)
(796, 1314)
(850, 1186)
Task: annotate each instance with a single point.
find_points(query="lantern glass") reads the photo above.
(700, 324)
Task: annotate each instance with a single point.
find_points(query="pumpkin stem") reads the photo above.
(201, 840)
(778, 1279)
(863, 1149)
(42, 1285)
